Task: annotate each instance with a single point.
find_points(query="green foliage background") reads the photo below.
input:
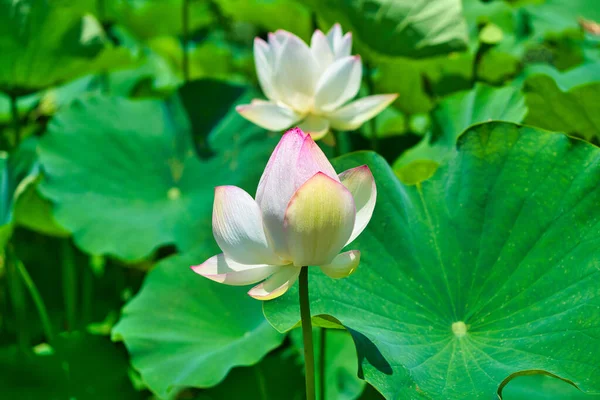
(117, 119)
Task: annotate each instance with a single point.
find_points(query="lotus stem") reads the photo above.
(15, 119)
(323, 349)
(309, 357)
(37, 299)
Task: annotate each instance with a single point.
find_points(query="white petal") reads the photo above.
(224, 270)
(275, 42)
(278, 37)
(338, 84)
(334, 36)
(264, 60)
(354, 114)
(318, 221)
(269, 115)
(321, 50)
(315, 126)
(238, 227)
(295, 159)
(343, 265)
(277, 284)
(344, 47)
(360, 182)
(296, 74)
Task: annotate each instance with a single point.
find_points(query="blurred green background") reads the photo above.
(117, 120)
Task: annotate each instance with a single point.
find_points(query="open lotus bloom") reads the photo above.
(303, 215)
(310, 85)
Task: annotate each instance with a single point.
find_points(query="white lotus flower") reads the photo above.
(303, 215)
(310, 85)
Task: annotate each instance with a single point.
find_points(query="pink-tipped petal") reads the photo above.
(321, 50)
(296, 74)
(269, 115)
(338, 84)
(354, 114)
(264, 61)
(343, 265)
(318, 221)
(334, 36)
(295, 159)
(311, 160)
(276, 285)
(315, 126)
(224, 270)
(360, 182)
(277, 38)
(344, 47)
(238, 227)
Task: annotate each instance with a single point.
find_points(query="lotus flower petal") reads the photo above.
(269, 115)
(318, 221)
(360, 182)
(295, 159)
(296, 74)
(315, 126)
(277, 284)
(343, 265)
(264, 62)
(334, 36)
(221, 269)
(238, 229)
(321, 51)
(338, 84)
(344, 47)
(356, 113)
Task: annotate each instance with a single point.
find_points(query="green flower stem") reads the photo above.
(322, 349)
(185, 38)
(69, 281)
(17, 298)
(15, 119)
(37, 299)
(309, 356)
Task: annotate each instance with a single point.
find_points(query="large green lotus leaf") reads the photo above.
(341, 381)
(585, 73)
(574, 111)
(45, 42)
(558, 16)
(487, 269)
(81, 366)
(542, 387)
(183, 330)
(399, 28)
(125, 177)
(456, 113)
